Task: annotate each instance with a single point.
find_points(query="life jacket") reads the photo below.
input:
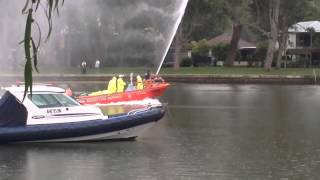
(139, 83)
(112, 85)
(120, 85)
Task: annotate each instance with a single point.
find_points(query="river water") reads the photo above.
(209, 132)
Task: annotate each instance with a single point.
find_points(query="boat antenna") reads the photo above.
(131, 78)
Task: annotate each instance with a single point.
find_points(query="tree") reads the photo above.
(200, 48)
(30, 46)
(280, 15)
(238, 10)
(208, 18)
(274, 11)
(202, 19)
(290, 13)
(178, 45)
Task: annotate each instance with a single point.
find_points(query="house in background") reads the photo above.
(246, 49)
(303, 46)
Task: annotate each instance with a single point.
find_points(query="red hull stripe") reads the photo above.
(155, 90)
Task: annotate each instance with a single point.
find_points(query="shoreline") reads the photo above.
(174, 78)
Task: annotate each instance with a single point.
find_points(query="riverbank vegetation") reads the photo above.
(262, 22)
(226, 71)
(265, 23)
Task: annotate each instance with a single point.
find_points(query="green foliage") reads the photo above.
(296, 10)
(261, 50)
(220, 51)
(200, 48)
(238, 10)
(313, 12)
(291, 12)
(30, 48)
(205, 18)
(186, 62)
(27, 43)
(199, 60)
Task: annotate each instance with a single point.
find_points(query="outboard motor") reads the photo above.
(12, 112)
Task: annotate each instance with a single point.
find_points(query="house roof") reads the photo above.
(225, 38)
(304, 26)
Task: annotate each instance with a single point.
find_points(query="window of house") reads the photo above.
(303, 40)
(316, 40)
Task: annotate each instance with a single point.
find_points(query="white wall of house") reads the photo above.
(301, 27)
(300, 36)
(292, 41)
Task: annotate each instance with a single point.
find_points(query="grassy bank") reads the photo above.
(181, 71)
(241, 71)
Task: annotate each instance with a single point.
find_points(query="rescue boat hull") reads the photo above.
(155, 90)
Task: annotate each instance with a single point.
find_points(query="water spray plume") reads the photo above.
(176, 26)
(118, 33)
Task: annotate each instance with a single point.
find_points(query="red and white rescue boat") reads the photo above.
(152, 90)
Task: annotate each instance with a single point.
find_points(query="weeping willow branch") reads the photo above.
(30, 47)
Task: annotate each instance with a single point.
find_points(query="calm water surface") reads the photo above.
(209, 132)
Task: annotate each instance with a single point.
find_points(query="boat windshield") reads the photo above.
(52, 100)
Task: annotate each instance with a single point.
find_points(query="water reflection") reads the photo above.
(209, 132)
(252, 130)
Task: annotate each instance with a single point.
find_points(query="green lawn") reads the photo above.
(241, 71)
(181, 71)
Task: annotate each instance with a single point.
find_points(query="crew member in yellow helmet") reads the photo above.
(112, 85)
(139, 83)
(121, 84)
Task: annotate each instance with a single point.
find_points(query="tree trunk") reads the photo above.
(270, 54)
(283, 38)
(274, 11)
(282, 48)
(177, 49)
(232, 52)
(311, 46)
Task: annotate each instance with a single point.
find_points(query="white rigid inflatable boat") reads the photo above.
(48, 115)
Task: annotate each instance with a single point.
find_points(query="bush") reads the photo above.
(220, 52)
(186, 62)
(167, 64)
(199, 60)
(261, 51)
(200, 48)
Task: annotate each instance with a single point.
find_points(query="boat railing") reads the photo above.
(133, 112)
